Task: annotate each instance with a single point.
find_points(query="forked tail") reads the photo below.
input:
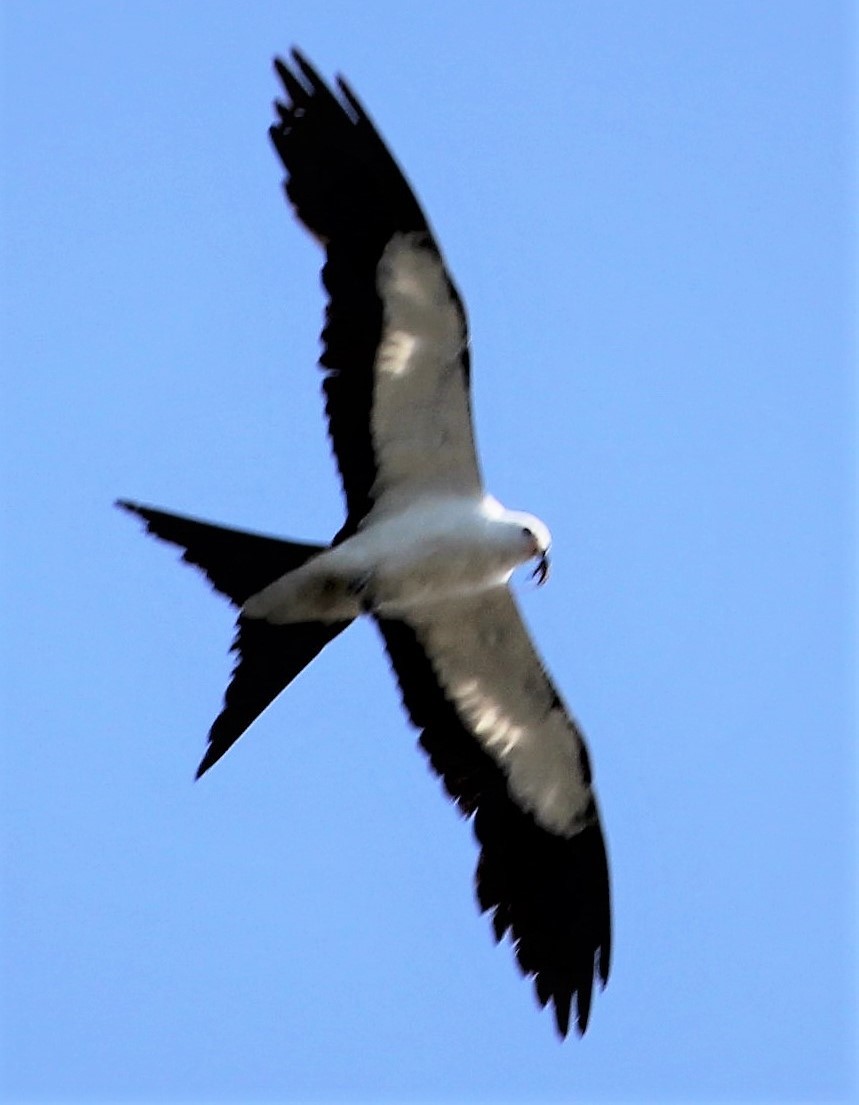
(236, 563)
(239, 564)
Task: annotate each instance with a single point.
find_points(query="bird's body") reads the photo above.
(434, 549)
(424, 551)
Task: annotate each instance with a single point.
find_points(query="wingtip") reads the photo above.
(560, 1003)
(604, 966)
(562, 1020)
(307, 70)
(583, 1009)
(350, 97)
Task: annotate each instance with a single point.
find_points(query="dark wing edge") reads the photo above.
(348, 191)
(550, 893)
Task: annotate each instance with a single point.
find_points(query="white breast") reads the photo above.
(437, 548)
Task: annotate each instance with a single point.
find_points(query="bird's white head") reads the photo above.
(536, 542)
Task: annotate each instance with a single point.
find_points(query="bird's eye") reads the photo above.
(526, 532)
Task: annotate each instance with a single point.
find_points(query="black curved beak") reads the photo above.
(541, 572)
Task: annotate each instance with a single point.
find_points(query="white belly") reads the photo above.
(435, 550)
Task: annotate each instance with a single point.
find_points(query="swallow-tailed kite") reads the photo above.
(424, 551)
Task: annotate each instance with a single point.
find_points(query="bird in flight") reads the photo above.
(424, 551)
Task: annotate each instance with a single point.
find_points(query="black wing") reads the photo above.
(549, 891)
(350, 193)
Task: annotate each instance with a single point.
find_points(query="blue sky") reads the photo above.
(647, 207)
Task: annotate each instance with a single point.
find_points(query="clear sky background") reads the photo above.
(647, 206)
